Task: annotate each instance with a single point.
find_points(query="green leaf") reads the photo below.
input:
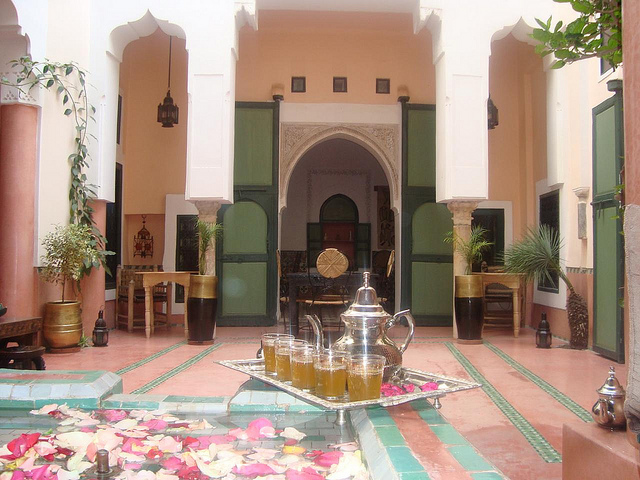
(49, 83)
(65, 99)
(68, 70)
(68, 112)
(558, 26)
(558, 64)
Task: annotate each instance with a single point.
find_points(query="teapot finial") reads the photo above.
(365, 280)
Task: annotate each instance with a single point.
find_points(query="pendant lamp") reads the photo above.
(167, 110)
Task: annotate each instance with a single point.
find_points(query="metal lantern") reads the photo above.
(143, 241)
(167, 110)
(100, 331)
(492, 114)
(543, 334)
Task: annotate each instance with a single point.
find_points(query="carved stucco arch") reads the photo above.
(380, 140)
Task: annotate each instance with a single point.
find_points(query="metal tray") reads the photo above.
(255, 368)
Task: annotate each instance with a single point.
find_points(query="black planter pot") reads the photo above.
(201, 308)
(469, 308)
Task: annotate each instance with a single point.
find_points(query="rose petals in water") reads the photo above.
(253, 470)
(19, 446)
(155, 424)
(306, 473)
(328, 458)
(253, 430)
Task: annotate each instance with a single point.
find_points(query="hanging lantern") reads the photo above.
(543, 334)
(167, 110)
(143, 242)
(492, 114)
(100, 332)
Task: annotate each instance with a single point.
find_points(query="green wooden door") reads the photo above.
(608, 267)
(245, 255)
(427, 262)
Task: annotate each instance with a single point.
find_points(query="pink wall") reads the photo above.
(154, 158)
(517, 146)
(321, 45)
(18, 153)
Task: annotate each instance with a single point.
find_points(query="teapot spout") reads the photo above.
(601, 412)
(317, 330)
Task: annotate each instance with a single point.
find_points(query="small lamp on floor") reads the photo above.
(543, 334)
(100, 332)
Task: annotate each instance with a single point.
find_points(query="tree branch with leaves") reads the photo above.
(596, 32)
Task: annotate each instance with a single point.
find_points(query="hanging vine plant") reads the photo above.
(69, 82)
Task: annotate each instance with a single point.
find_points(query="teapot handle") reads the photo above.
(412, 326)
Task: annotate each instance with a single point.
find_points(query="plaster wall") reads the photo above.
(153, 157)
(332, 167)
(517, 146)
(321, 45)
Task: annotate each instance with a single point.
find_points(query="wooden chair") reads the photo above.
(328, 290)
(130, 293)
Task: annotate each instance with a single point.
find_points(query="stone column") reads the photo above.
(208, 212)
(18, 159)
(461, 211)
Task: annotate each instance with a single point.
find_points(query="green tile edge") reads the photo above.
(535, 439)
(582, 413)
(176, 370)
(150, 358)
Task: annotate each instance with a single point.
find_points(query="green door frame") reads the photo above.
(267, 197)
(601, 201)
(412, 198)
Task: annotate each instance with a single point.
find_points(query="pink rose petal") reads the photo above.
(409, 387)
(306, 473)
(328, 458)
(172, 463)
(253, 430)
(254, 469)
(113, 415)
(17, 475)
(429, 386)
(19, 446)
(155, 424)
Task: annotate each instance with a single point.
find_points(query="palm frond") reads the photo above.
(471, 250)
(537, 255)
(207, 231)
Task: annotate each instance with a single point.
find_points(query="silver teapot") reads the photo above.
(365, 329)
(608, 410)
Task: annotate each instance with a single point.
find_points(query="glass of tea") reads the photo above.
(364, 376)
(283, 357)
(269, 350)
(331, 374)
(303, 375)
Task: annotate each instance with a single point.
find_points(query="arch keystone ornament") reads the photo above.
(381, 140)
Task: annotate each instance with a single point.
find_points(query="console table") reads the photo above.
(149, 280)
(24, 331)
(514, 281)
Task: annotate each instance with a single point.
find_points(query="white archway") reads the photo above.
(381, 141)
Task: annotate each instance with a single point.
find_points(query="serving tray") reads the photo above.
(446, 385)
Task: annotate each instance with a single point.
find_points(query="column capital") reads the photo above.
(462, 212)
(207, 210)
(12, 95)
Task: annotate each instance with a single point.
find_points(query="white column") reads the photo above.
(557, 126)
(461, 119)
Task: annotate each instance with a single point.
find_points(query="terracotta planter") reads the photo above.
(62, 326)
(469, 308)
(201, 305)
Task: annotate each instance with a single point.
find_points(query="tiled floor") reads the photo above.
(514, 422)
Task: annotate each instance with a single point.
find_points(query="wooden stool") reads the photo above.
(24, 358)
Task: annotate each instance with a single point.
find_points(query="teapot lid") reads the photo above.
(366, 301)
(611, 385)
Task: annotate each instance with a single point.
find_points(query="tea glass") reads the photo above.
(331, 374)
(303, 375)
(364, 376)
(269, 350)
(283, 357)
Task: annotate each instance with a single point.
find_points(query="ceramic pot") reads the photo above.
(201, 308)
(62, 326)
(469, 308)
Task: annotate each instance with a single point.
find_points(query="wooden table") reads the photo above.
(24, 331)
(514, 281)
(149, 280)
(299, 279)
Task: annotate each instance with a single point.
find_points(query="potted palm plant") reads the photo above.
(468, 288)
(203, 296)
(68, 252)
(537, 256)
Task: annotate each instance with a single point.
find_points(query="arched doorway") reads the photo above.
(338, 195)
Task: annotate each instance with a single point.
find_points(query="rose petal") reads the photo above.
(328, 458)
(290, 432)
(306, 473)
(253, 470)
